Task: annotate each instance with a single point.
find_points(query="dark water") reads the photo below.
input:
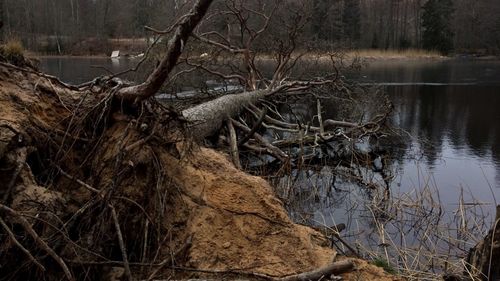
(451, 109)
(77, 70)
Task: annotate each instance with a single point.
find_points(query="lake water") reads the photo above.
(449, 107)
(77, 70)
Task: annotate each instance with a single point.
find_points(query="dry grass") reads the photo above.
(13, 48)
(394, 54)
(13, 52)
(418, 237)
(355, 58)
(412, 232)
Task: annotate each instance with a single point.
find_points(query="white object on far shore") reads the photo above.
(115, 54)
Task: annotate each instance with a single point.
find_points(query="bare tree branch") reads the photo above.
(175, 48)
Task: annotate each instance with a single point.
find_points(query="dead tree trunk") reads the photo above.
(484, 258)
(206, 118)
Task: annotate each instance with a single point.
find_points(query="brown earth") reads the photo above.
(184, 192)
(237, 223)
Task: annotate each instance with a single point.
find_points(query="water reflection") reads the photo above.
(451, 108)
(451, 111)
(77, 70)
(466, 116)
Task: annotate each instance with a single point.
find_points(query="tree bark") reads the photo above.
(206, 118)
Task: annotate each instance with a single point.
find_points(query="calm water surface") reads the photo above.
(77, 70)
(451, 109)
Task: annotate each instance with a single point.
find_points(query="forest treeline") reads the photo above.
(65, 26)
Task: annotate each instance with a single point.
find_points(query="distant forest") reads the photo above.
(459, 26)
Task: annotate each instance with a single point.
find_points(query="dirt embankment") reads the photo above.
(90, 189)
(237, 223)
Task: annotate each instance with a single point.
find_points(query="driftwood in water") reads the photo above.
(484, 258)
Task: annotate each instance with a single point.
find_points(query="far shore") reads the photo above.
(368, 55)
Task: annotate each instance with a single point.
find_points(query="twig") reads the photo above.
(276, 152)
(320, 118)
(334, 123)
(315, 275)
(141, 141)
(128, 273)
(237, 272)
(354, 252)
(493, 232)
(254, 128)
(90, 188)
(50, 77)
(103, 68)
(22, 153)
(145, 242)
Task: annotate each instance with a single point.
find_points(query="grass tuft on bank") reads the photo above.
(380, 262)
(13, 48)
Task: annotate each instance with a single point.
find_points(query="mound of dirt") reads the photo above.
(237, 223)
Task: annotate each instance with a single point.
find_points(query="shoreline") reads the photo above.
(345, 56)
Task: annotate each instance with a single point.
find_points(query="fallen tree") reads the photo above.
(89, 189)
(102, 179)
